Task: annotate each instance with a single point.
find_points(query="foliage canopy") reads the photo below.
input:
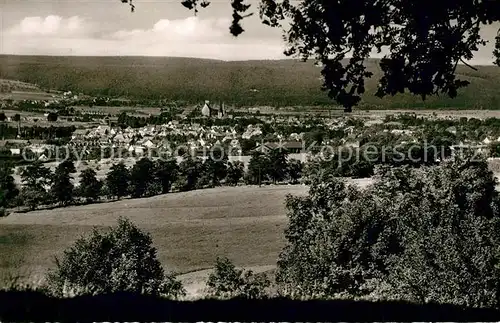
(422, 235)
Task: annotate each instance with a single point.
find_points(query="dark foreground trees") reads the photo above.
(119, 260)
(425, 235)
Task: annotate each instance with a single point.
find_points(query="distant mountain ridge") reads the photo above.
(243, 83)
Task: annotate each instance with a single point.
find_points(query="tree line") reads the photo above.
(145, 178)
(149, 177)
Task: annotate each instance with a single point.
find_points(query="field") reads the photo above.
(115, 111)
(189, 229)
(25, 95)
(249, 83)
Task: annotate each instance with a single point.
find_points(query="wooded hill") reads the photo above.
(242, 83)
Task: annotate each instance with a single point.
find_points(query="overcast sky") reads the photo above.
(156, 28)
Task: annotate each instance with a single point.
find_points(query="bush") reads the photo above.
(153, 188)
(3, 212)
(421, 235)
(226, 282)
(121, 259)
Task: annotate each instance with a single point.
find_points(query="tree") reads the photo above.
(52, 117)
(227, 282)
(35, 178)
(33, 197)
(119, 260)
(62, 187)
(235, 171)
(118, 180)
(3, 117)
(166, 172)
(16, 117)
(278, 164)
(314, 137)
(495, 149)
(426, 234)
(141, 177)
(294, 168)
(215, 166)
(258, 167)
(8, 188)
(190, 170)
(90, 186)
(445, 33)
(247, 144)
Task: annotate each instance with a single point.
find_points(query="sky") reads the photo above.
(156, 28)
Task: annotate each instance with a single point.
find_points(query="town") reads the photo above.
(244, 140)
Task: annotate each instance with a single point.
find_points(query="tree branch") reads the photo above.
(470, 66)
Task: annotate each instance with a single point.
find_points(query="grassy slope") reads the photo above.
(284, 82)
(189, 229)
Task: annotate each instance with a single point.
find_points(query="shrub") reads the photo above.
(3, 212)
(226, 282)
(121, 259)
(422, 235)
(153, 188)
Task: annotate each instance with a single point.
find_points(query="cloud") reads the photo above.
(53, 26)
(183, 31)
(189, 37)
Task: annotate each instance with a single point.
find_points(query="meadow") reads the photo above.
(115, 111)
(190, 229)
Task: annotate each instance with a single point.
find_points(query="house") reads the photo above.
(349, 130)
(401, 132)
(452, 130)
(206, 111)
(292, 147)
(234, 143)
(38, 149)
(15, 151)
(79, 134)
(295, 136)
(251, 132)
(149, 144)
(104, 141)
(103, 130)
(139, 150)
(43, 158)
